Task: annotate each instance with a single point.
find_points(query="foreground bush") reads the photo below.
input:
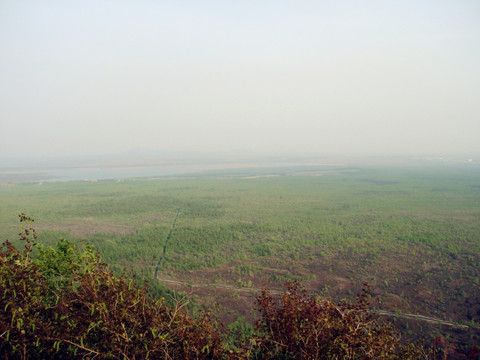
(302, 327)
(66, 304)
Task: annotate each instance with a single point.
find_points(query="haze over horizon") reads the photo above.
(370, 78)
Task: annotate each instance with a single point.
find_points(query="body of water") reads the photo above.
(91, 173)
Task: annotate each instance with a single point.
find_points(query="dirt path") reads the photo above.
(219, 286)
(277, 292)
(423, 318)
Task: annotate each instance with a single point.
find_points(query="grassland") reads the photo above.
(412, 233)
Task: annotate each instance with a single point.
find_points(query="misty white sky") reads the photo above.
(364, 77)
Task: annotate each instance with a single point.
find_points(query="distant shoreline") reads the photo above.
(115, 172)
(160, 168)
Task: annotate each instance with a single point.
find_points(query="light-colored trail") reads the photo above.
(422, 318)
(219, 286)
(277, 292)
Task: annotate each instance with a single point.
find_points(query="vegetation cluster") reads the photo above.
(413, 234)
(65, 303)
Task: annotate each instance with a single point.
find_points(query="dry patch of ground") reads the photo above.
(86, 226)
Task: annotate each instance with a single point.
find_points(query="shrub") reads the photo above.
(302, 327)
(67, 304)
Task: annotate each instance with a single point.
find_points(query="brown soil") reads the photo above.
(86, 226)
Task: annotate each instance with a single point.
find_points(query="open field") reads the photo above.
(412, 233)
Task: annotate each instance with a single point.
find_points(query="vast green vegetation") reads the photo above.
(65, 303)
(412, 233)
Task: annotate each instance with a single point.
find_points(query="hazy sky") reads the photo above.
(366, 77)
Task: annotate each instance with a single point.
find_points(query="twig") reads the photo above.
(81, 347)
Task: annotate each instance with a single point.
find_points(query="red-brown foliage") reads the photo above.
(92, 313)
(303, 327)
